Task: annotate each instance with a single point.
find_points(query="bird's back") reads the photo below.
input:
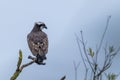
(38, 42)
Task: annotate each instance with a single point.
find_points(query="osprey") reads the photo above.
(38, 42)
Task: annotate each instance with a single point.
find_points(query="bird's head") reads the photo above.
(41, 25)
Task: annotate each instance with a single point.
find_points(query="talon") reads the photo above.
(40, 63)
(43, 63)
(44, 57)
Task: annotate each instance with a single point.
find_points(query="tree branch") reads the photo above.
(20, 67)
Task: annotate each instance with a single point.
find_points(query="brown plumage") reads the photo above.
(38, 41)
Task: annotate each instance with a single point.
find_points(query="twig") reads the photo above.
(25, 65)
(86, 69)
(17, 72)
(84, 49)
(77, 39)
(76, 66)
(107, 25)
(63, 78)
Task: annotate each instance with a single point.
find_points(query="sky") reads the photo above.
(64, 18)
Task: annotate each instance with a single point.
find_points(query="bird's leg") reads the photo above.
(33, 58)
(30, 57)
(39, 60)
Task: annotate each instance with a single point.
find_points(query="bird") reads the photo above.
(38, 42)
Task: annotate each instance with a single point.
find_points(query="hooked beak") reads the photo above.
(45, 27)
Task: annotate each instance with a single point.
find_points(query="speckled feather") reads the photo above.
(38, 43)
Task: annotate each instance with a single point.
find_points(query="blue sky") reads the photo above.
(63, 18)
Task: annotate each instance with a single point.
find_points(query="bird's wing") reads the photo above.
(38, 43)
(43, 41)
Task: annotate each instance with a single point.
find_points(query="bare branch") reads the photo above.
(86, 69)
(25, 65)
(76, 66)
(77, 39)
(84, 49)
(100, 45)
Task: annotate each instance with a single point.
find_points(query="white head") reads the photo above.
(41, 25)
